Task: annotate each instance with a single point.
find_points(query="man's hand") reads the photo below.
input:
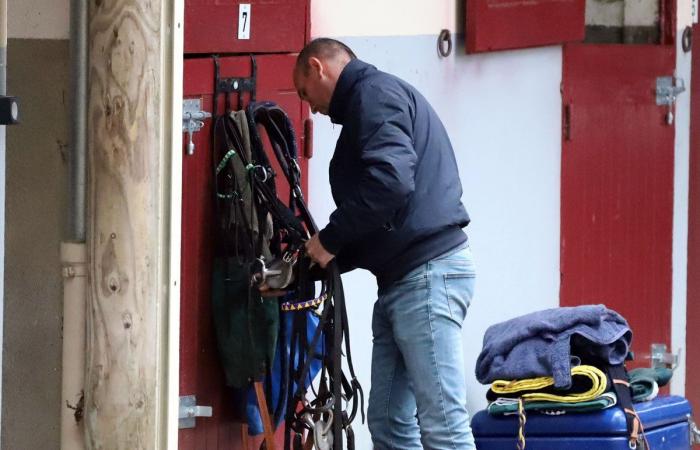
(318, 254)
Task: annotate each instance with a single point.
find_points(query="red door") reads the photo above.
(692, 356)
(617, 186)
(200, 372)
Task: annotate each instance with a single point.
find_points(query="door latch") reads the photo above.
(192, 119)
(660, 357)
(189, 410)
(667, 90)
(694, 431)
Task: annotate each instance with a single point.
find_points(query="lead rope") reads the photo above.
(521, 424)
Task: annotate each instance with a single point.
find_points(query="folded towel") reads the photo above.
(662, 375)
(507, 406)
(645, 382)
(542, 343)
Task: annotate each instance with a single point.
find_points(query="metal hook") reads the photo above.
(444, 38)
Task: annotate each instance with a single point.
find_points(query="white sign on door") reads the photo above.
(694, 10)
(244, 21)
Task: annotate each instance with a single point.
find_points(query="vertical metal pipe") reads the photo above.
(3, 129)
(77, 176)
(3, 47)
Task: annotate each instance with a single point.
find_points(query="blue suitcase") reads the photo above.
(666, 422)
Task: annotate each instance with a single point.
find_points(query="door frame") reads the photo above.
(692, 337)
(171, 380)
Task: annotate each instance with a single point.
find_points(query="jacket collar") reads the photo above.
(352, 72)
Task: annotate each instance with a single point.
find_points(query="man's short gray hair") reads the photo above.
(322, 48)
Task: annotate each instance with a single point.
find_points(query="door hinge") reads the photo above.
(189, 410)
(566, 122)
(308, 138)
(668, 89)
(192, 119)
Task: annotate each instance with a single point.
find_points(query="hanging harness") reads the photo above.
(264, 237)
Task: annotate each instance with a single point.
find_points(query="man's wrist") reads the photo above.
(330, 240)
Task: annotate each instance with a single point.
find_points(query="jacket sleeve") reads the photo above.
(388, 159)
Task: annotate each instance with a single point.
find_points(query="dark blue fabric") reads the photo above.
(543, 342)
(252, 413)
(393, 176)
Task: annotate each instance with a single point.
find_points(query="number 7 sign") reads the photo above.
(244, 21)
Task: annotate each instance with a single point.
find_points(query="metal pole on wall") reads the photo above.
(3, 47)
(78, 47)
(3, 129)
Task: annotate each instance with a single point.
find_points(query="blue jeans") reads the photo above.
(418, 394)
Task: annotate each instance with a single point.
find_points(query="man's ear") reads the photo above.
(316, 67)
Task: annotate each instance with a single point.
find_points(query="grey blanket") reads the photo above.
(542, 343)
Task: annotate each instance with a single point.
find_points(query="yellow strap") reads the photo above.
(597, 377)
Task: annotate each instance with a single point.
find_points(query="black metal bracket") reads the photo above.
(9, 110)
(238, 85)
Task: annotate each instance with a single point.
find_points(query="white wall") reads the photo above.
(370, 18)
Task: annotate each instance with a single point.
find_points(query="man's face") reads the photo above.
(314, 86)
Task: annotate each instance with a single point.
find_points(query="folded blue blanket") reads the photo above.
(542, 343)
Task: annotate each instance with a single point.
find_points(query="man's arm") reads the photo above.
(388, 159)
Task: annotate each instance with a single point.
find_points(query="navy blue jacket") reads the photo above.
(393, 177)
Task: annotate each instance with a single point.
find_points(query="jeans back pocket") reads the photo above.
(459, 290)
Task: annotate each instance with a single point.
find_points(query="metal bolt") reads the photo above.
(694, 432)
